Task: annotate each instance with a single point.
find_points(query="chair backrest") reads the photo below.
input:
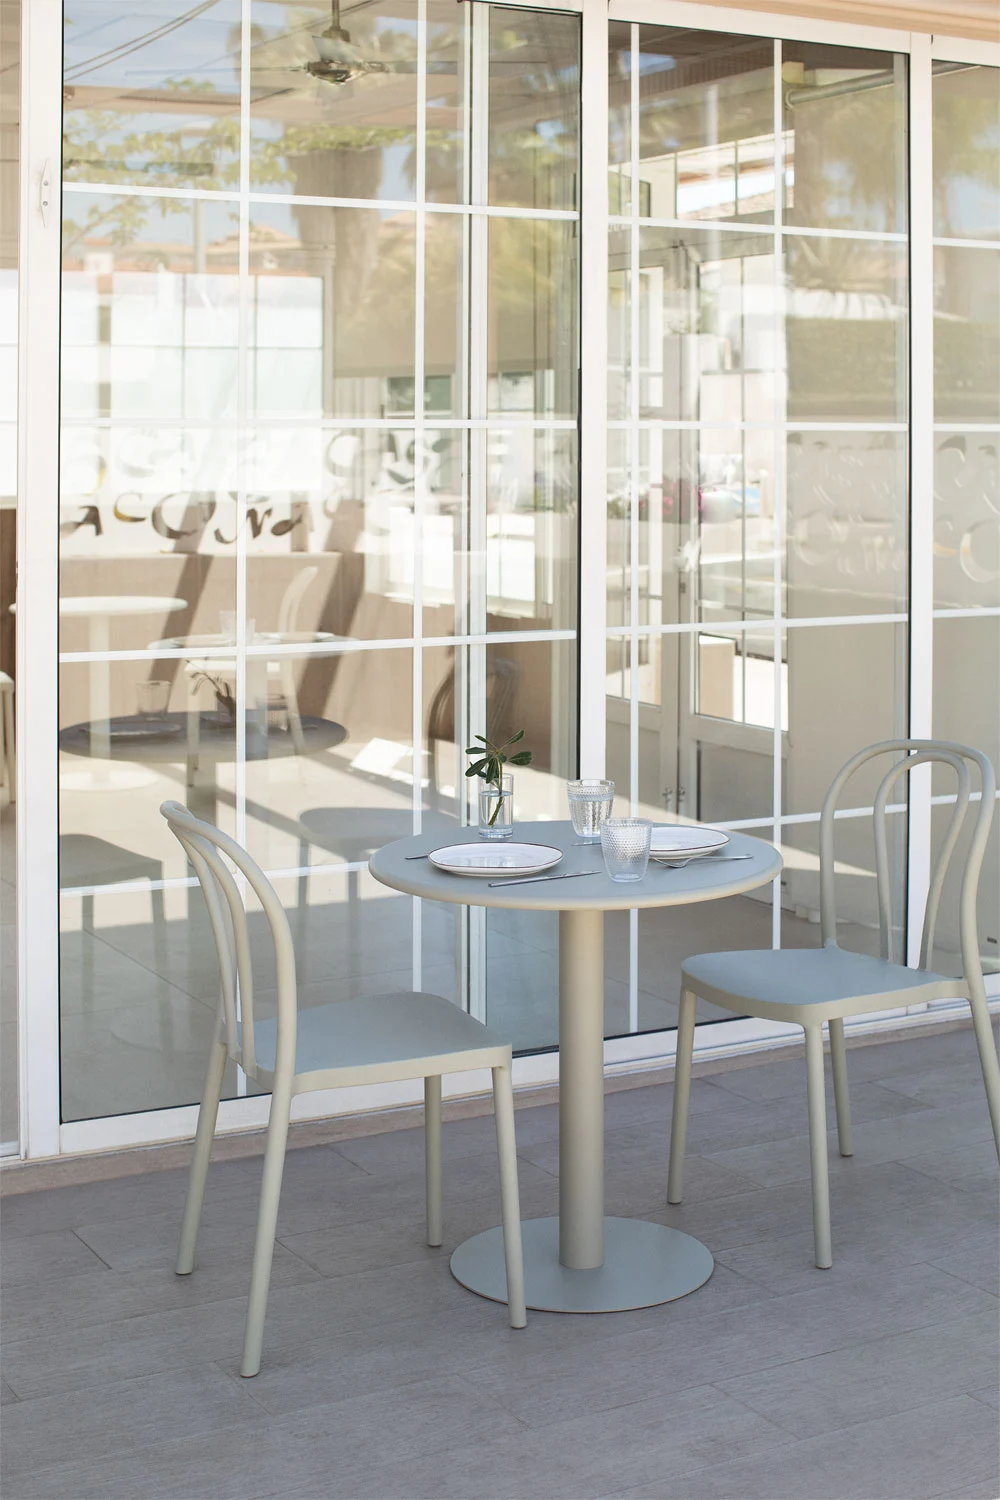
(205, 844)
(288, 609)
(910, 754)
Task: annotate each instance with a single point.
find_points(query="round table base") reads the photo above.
(644, 1264)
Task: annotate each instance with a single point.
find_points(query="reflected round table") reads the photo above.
(582, 1261)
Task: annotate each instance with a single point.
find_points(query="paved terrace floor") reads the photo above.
(385, 1380)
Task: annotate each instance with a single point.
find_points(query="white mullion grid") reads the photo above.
(778, 486)
(634, 458)
(313, 200)
(764, 231)
(323, 649)
(477, 272)
(633, 431)
(242, 447)
(765, 622)
(593, 416)
(698, 425)
(419, 470)
(509, 420)
(921, 635)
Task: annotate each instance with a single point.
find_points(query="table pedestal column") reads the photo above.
(582, 1261)
(581, 1089)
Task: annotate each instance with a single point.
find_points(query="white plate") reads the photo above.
(495, 859)
(684, 841)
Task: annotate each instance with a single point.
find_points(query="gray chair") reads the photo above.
(380, 1039)
(811, 987)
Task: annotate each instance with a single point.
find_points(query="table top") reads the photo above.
(119, 604)
(704, 879)
(213, 744)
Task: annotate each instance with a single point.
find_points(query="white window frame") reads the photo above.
(41, 1134)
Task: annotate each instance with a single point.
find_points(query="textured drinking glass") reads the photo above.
(590, 804)
(625, 846)
(496, 822)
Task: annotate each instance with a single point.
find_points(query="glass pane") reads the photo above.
(532, 308)
(846, 304)
(844, 122)
(333, 109)
(966, 334)
(444, 670)
(966, 694)
(847, 523)
(668, 937)
(447, 41)
(619, 117)
(855, 891)
(150, 308)
(966, 104)
(152, 94)
(706, 125)
(330, 534)
(334, 303)
(846, 689)
(531, 529)
(329, 755)
(967, 520)
(707, 329)
(534, 108)
(147, 541)
(531, 685)
(445, 315)
(139, 991)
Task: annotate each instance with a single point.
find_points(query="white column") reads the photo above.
(593, 383)
(38, 577)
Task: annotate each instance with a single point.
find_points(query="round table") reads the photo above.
(582, 1261)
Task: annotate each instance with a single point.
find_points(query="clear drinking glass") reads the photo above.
(625, 846)
(152, 698)
(496, 809)
(590, 804)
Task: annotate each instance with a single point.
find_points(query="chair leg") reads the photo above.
(682, 1096)
(267, 1223)
(432, 1157)
(817, 1146)
(503, 1110)
(204, 1136)
(841, 1095)
(988, 1062)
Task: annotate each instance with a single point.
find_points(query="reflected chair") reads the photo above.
(85, 860)
(8, 765)
(813, 987)
(379, 1039)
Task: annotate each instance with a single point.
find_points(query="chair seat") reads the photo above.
(822, 981)
(408, 1034)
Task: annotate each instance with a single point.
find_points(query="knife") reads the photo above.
(531, 879)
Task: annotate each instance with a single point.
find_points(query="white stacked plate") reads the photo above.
(495, 859)
(685, 841)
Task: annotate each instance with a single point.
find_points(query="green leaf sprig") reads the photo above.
(490, 761)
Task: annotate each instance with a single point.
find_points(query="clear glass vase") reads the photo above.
(496, 809)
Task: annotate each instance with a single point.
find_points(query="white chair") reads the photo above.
(811, 986)
(379, 1039)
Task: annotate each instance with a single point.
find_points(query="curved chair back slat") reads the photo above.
(917, 753)
(288, 610)
(227, 914)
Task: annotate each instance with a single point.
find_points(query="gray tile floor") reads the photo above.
(384, 1380)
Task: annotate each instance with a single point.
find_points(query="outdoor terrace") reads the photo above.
(384, 1380)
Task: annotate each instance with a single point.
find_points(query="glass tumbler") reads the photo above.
(625, 846)
(496, 809)
(590, 804)
(152, 698)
